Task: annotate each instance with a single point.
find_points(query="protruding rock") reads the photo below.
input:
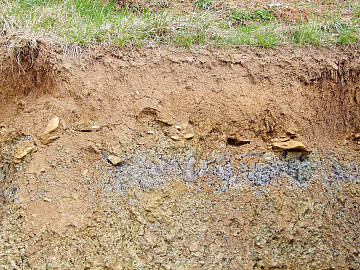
(52, 125)
(165, 121)
(46, 139)
(175, 137)
(92, 148)
(88, 127)
(237, 141)
(357, 136)
(115, 160)
(189, 136)
(47, 136)
(290, 145)
(23, 149)
(292, 131)
(282, 139)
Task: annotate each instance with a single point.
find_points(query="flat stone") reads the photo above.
(237, 141)
(284, 139)
(52, 125)
(290, 145)
(189, 136)
(175, 138)
(292, 131)
(167, 122)
(22, 150)
(46, 139)
(88, 127)
(115, 160)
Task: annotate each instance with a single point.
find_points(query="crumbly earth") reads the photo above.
(198, 184)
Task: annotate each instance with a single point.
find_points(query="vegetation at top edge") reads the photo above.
(259, 15)
(86, 22)
(203, 4)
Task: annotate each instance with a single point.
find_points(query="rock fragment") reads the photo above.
(189, 136)
(88, 127)
(290, 145)
(175, 137)
(292, 131)
(237, 141)
(22, 150)
(46, 139)
(115, 160)
(52, 125)
(47, 136)
(165, 121)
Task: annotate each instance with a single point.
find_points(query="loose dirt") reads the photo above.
(171, 159)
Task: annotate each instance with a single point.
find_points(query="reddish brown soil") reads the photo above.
(248, 93)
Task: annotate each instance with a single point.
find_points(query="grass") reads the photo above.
(87, 22)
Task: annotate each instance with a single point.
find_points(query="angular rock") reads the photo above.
(52, 125)
(92, 148)
(282, 139)
(22, 150)
(46, 139)
(88, 127)
(189, 136)
(165, 121)
(237, 141)
(115, 160)
(290, 145)
(175, 138)
(292, 131)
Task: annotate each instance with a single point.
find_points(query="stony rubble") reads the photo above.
(23, 149)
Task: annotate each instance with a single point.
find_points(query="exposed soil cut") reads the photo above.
(170, 159)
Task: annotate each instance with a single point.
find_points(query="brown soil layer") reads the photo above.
(199, 183)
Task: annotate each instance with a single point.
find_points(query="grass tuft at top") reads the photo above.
(87, 22)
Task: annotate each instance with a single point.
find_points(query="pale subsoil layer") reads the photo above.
(200, 185)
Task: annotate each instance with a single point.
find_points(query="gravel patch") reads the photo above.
(148, 169)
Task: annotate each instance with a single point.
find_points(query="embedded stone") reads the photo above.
(52, 125)
(290, 145)
(22, 150)
(175, 138)
(189, 136)
(47, 139)
(115, 160)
